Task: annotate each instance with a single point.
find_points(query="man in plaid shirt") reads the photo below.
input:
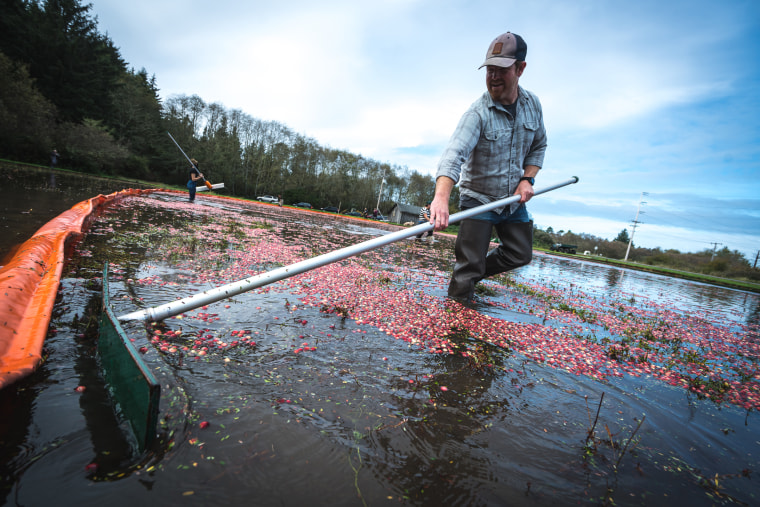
(496, 151)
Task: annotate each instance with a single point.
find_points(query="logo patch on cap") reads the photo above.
(497, 48)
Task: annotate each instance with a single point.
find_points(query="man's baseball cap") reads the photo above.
(505, 50)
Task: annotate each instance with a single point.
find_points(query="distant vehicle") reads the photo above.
(303, 205)
(268, 198)
(563, 248)
(379, 217)
(354, 213)
(331, 209)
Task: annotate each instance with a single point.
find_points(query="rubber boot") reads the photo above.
(515, 248)
(471, 248)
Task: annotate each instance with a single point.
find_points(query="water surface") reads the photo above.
(369, 416)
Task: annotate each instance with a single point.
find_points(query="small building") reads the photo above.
(402, 213)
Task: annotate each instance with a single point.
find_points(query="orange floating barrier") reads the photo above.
(29, 284)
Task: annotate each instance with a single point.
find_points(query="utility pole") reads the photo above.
(635, 223)
(380, 192)
(756, 257)
(715, 246)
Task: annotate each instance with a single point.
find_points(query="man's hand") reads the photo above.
(439, 214)
(524, 188)
(439, 209)
(525, 191)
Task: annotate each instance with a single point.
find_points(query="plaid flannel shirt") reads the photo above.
(489, 149)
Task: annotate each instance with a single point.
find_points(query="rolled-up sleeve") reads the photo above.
(537, 149)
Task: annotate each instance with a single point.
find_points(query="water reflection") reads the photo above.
(31, 197)
(19, 446)
(614, 278)
(751, 308)
(613, 283)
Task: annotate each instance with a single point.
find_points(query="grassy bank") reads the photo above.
(686, 275)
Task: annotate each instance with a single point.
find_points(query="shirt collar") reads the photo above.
(499, 105)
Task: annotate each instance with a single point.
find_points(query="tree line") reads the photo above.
(64, 85)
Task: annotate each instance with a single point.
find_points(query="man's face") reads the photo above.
(502, 82)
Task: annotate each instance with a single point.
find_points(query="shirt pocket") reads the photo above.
(495, 143)
(529, 129)
(495, 134)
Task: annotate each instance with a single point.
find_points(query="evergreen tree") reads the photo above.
(16, 28)
(623, 237)
(27, 119)
(74, 66)
(137, 123)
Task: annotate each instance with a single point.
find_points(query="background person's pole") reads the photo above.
(210, 187)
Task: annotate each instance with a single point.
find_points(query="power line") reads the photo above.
(737, 241)
(663, 217)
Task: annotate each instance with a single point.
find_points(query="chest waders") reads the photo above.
(473, 260)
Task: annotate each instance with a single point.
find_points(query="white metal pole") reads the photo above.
(232, 289)
(379, 194)
(382, 182)
(635, 223)
(180, 149)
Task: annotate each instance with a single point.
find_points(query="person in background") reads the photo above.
(54, 156)
(495, 152)
(280, 202)
(424, 217)
(196, 177)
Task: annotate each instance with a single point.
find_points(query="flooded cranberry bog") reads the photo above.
(360, 383)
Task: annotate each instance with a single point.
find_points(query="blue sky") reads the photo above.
(648, 96)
